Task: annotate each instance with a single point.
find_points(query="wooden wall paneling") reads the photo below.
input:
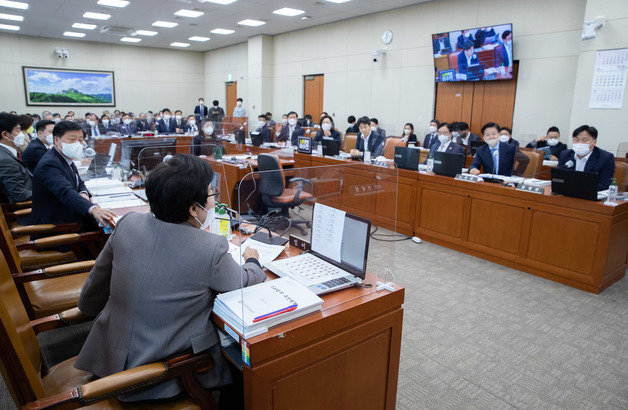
(467, 102)
(449, 101)
(232, 96)
(478, 107)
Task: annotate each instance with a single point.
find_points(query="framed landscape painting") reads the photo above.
(61, 87)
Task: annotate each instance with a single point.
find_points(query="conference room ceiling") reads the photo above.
(51, 18)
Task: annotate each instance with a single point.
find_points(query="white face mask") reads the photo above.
(373, 128)
(552, 142)
(326, 126)
(209, 218)
(284, 121)
(191, 122)
(57, 120)
(260, 124)
(504, 138)
(239, 103)
(292, 122)
(18, 139)
(407, 131)
(127, 121)
(105, 122)
(432, 128)
(492, 143)
(72, 150)
(166, 117)
(581, 148)
(91, 123)
(455, 134)
(178, 117)
(209, 130)
(49, 139)
(443, 138)
(201, 102)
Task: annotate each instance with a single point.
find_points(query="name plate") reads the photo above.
(530, 188)
(467, 177)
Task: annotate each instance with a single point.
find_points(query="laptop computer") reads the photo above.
(256, 139)
(448, 163)
(576, 184)
(330, 147)
(475, 72)
(304, 145)
(407, 158)
(98, 166)
(317, 269)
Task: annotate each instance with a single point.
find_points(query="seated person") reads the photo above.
(483, 35)
(463, 38)
(178, 121)
(585, 156)
(190, 127)
(292, 131)
(93, 128)
(166, 124)
(327, 131)
(206, 140)
(262, 128)
(375, 127)
(16, 183)
(143, 124)
(495, 157)
(505, 135)
(503, 52)
(353, 126)
(441, 43)
(464, 134)
(368, 139)
(59, 194)
(127, 127)
(38, 146)
(551, 140)
(163, 293)
(467, 58)
(26, 123)
(269, 121)
(107, 124)
(307, 121)
(433, 135)
(444, 143)
(409, 136)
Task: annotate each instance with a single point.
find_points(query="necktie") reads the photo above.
(19, 156)
(75, 171)
(494, 152)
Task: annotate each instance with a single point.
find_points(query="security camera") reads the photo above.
(378, 55)
(59, 52)
(66, 55)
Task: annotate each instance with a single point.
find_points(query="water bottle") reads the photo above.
(319, 149)
(116, 173)
(430, 162)
(612, 193)
(367, 156)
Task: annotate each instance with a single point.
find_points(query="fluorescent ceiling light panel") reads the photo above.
(131, 39)
(146, 33)
(189, 13)
(11, 17)
(338, 1)
(73, 34)
(84, 26)
(13, 4)
(251, 23)
(166, 24)
(222, 31)
(9, 27)
(198, 38)
(177, 44)
(220, 1)
(96, 16)
(114, 3)
(287, 11)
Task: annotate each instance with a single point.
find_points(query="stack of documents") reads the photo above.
(252, 310)
(99, 186)
(113, 201)
(267, 253)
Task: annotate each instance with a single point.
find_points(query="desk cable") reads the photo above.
(385, 235)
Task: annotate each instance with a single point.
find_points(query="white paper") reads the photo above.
(327, 228)
(103, 199)
(267, 253)
(99, 183)
(609, 79)
(122, 204)
(111, 190)
(549, 163)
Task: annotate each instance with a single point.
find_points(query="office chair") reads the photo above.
(274, 192)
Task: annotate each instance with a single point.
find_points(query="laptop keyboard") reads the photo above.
(308, 269)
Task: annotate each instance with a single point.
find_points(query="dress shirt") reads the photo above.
(11, 150)
(582, 162)
(495, 155)
(366, 141)
(443, 147)
(95, 132)
(290, 131)
(75, 170)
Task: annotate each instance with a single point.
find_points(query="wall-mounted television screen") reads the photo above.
(474, 54)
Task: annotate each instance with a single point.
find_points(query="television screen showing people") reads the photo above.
(475, 54)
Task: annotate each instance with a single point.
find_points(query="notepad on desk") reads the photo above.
(267, 253)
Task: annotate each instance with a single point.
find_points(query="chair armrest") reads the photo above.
(300, 189)
(54, 271)
(20, 213)
(17, 205)
(66, 318)
(305, 181)
(65, 239)
(31, 229)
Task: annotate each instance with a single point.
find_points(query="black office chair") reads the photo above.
(275, 194)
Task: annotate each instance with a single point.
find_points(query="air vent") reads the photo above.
(117, 31)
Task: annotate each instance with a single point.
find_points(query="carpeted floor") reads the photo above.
(480, 335)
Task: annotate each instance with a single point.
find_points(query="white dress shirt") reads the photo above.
(582, 162)
(11, 150)
(443, 147)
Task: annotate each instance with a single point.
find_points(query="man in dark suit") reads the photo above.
(432, 135)
(200, 111)
(444, 143)
(166, 124)
(353, 126)
(372, 140)
(142, 123)
(440, 43)
(179, 123)
(127, 127)
(107, 124)
(262, 128)
(38, 146)
(482, 35)
(494, 157)
(93, 128)
(467, 58)
(375, 127)
(464, 37)
(503, 52)
(216, 113)
(292, 131)
(59, 194)
(15, 179)
(465, 136)
(552, 140)
(584, 156)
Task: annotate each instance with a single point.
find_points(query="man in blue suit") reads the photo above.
(584, 156)
(262, 128)
(432, 136)
(59, 194)
(200, 111)
(467, 58)
(166, 124)
(440, 43)
(494, 157)
(127, 127)
(107, 124)
(368, 138)
(292, 131)
(443, 142)
(503, 52)
(38, 146)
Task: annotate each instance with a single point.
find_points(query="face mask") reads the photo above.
(326, 126)
(407, 131)
(166, 117)
(260, 124)
(127, 121)
(455, 134)
(201, 102)
(552, 142)
(492, 143)
(191, 122)
(581, 148)
(239, 103)
(49, 139)
(504, 138)
(18, 139)
(105, 122)
(443, 138)
(116, 120)
(57, 120)
(178, 117)
(292, 122)
(284, 121)
(209, 218)
(72, 150)
(90, 123)
(209, 130)
(373, 128)
(432, 128)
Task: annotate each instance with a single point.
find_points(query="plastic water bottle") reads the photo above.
(430, 162)
(319, 149)
(116, 172)
(612, 193)
(367, 156)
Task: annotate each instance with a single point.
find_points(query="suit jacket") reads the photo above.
(264, 132)
(484, 159)
(513, 141)
(453, 147)
(33, 153)
(164, 128)
(480, 37)
(108, 128)
(353, 129)
(56, 193)
(461, 40)
(180, 124)
(429, 140)
(600, 162)
(501, 56)
(556, 150)
(143, 125)
(16, 183)
(284, 135)
(216, 114)
(381, 132)
(187, 127)
(88, 130)
(412, 139)
(335, 135)
(462, 61)
(436, 45)
(200, 111)
(376, 144)
(152, 300)
(129, 129)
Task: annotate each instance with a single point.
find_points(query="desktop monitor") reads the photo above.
(576, 184)
(256, 139)
(331, 147)
(448, 163)
(407, 158)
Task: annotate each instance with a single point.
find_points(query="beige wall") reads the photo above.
(145, 78)
(221, 63)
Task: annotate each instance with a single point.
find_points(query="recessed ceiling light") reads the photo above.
(222, 31)
(14, 4)
(251, 23)
(188, 13)
(305, 17)
(131, 39)
(113, 3)
(197, 38)
(146, 33)
(73, 34)
(177, 44)
(166, 24)
(287, 11)
(338, 1)
(220, 1)
(9, 27)
(11, 17)
(84, 26)
(96, 16)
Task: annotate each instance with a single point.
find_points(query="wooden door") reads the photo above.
(232, 96)
(313, 86)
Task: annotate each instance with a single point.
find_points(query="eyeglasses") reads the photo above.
(215, 193)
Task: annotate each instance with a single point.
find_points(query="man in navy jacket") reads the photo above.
(444, 139)
(59, 194)
(38, 146)
(166, 124)
(585, 156)
(494, 149)
(375, 140)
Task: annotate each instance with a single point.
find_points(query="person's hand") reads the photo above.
(250, 253)
(327, 133)
(178, 130)
(542, 138)
(103, 216)
(474, 171)
(354, 152)
(553, 158)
